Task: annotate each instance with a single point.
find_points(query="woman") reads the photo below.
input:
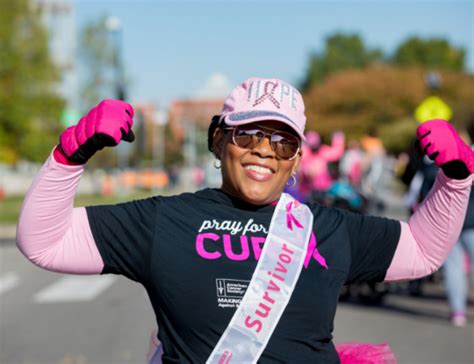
(196, 253)
(456, 280)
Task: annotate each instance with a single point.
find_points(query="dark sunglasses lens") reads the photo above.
(247, 138)
(285, 145)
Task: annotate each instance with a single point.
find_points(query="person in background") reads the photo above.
(284, 260)
(351, 164)
(315, 179)
(461, 257)
(373, 166)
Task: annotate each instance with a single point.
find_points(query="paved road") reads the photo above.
(49, 318)
(417, 329)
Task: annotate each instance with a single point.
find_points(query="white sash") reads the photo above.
(271, 286)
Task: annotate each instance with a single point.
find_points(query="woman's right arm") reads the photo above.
(51, 233)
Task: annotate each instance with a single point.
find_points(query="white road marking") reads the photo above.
(74, 288)
(8, 281)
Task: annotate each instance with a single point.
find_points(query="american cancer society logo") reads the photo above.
(230, 292)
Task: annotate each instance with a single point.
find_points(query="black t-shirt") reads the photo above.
(195, 254)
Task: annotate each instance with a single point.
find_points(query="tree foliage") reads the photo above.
(30, 107)
(383, 97)
(98, 55)
(434, 53)
(351, 88)
(341, 52)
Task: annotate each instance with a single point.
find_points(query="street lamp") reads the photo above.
(114, 27)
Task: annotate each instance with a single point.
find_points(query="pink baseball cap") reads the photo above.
(258, 99)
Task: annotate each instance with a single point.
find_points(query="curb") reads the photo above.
(7, 232)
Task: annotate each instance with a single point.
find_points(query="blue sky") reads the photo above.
(202, 48)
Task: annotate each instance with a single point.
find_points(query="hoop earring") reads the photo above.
(292, 181)
(217, 163)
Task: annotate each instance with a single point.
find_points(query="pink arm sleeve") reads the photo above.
(431, 232)
(50, 232)
(335, 151)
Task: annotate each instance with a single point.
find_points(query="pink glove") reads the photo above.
(441, 143)
(104, 126)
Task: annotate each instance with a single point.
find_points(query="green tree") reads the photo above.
(435, 53)
(98, 55)
(30, 107)
(341, 52)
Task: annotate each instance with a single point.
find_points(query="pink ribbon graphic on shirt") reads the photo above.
(290, 218)
(314, 252)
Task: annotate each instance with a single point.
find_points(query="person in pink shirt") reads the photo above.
(314, 172)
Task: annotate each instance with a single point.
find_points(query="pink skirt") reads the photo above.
(363, 353)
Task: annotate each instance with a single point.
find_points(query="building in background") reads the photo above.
(189, 121)
(58, 17)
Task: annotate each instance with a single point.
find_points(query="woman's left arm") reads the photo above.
(427, 238)
(433, 229)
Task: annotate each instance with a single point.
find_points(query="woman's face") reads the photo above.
(257, 176)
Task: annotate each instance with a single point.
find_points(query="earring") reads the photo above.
(292, 181)
(217, 163)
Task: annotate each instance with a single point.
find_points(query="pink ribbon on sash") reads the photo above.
(312, 249)
(290, 218)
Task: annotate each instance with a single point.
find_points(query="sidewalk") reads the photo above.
(7, 232)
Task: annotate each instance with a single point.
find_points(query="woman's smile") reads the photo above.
(258, 171)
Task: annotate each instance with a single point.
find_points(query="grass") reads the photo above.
(10, 205)
(9, 208)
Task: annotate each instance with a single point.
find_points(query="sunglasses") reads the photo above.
(285, 145)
